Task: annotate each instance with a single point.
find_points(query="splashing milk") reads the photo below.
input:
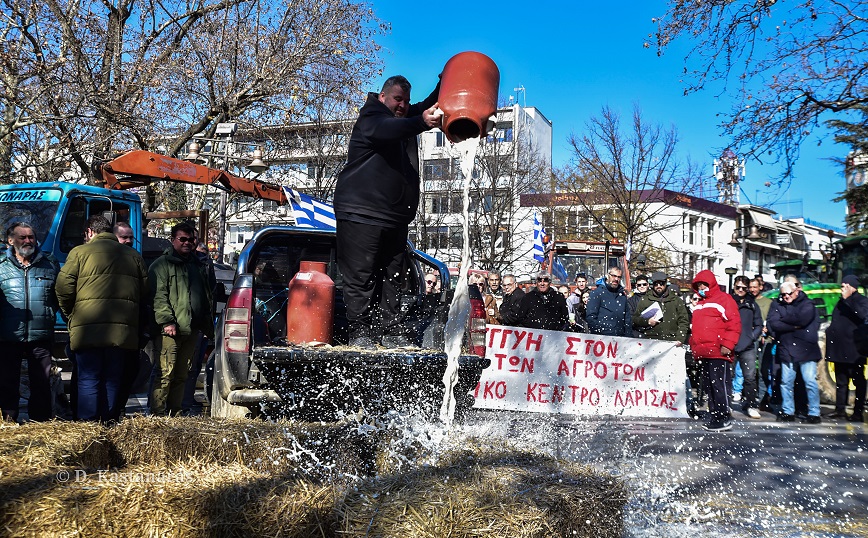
(459, 310)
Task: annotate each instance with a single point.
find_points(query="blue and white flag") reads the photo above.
(538, 233)
(559, 272)
(310, 212)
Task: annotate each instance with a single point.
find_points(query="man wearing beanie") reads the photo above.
(848, 322)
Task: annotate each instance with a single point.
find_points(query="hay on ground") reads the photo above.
(204, 478)
(487, 494)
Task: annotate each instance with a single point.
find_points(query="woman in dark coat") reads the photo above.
(848, 317)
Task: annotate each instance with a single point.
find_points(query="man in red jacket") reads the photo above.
(715, 329)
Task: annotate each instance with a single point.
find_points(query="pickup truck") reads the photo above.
(254, 370)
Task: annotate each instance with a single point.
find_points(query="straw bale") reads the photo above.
(179, 500)
(485, 494)
(201, 478)
(317, 450)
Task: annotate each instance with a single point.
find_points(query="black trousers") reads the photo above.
(715, 377)
(374, 266)
(844, 373)
(38, 355)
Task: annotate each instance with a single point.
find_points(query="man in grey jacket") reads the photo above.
(27, 310)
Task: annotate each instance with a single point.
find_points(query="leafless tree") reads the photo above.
(140, 74)
(790, 65)
(507, 164)
(615, 171)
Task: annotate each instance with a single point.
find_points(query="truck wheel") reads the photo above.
(220, 408)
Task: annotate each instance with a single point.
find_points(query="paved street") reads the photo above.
(762, 478)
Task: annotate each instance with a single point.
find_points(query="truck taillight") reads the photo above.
(236, 321)
(477, 327)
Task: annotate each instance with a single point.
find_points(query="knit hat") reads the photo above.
(658, 276)
(852, 280)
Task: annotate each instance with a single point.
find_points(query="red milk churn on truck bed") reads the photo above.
(310, 305)
(468, 95)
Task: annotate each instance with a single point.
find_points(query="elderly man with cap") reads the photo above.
(794, 322)
(543, 307)
(849, 316)
(661, 314)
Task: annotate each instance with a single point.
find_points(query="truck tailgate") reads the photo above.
(324, 382)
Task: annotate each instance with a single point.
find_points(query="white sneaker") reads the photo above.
(736, 397)
(753, 413)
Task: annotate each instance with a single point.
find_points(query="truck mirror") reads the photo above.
(111, 217)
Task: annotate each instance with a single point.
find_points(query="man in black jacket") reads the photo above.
(543, 307)
(510, 309)
(848, 319)
(376, 198)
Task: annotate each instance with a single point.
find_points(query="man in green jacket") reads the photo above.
(668, 322)
(102, 290)
(183, 307)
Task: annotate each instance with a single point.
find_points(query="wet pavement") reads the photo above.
(762, 478)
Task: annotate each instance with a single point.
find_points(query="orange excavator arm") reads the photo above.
(139, 168)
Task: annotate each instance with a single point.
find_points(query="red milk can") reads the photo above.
(310, 305)
(468, 95)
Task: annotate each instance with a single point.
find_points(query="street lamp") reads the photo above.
(730, 271)
(740, 236)
(195, 154)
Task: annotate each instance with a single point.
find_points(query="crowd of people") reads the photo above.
(746, 349)
(113, 304)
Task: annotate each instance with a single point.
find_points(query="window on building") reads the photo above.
(709, 234)
(434, 169)
(269, 205)
(691, 230)
(439, 139)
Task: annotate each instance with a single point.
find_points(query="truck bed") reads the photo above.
(335, 380)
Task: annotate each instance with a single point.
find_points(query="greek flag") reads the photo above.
(538, 233)
(310, 212)
(559, 272)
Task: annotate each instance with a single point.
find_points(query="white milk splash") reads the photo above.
(459, 310)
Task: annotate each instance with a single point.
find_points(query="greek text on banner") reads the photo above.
(581, 374)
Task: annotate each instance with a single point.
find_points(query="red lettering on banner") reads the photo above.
(531, 341)
(492, 390)
(557, 393)
(599, 348)
(599, 369)
(521, 365)
(613, 350)
(581, 395)
(519, 336)
(571, 340)
(628, 372)
(646, 398)
(536, 392)
(500, 357)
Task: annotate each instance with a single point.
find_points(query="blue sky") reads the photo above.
(573, 58)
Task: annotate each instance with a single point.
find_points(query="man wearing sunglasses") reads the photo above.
(180, 285)
(607, 308)
(745, 349)
(794, 322)
(543, 307)
(640, 289)
(671, 322)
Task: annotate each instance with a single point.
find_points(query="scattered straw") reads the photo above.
(200, 477)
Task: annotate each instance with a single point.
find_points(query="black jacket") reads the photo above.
(380, 182)
(544, 310)
(848, 317)
(795, 325)
(751, 322)
(510, 311)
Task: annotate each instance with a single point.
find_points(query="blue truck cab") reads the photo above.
(58, 212)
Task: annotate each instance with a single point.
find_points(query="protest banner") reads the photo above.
(581, 374)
